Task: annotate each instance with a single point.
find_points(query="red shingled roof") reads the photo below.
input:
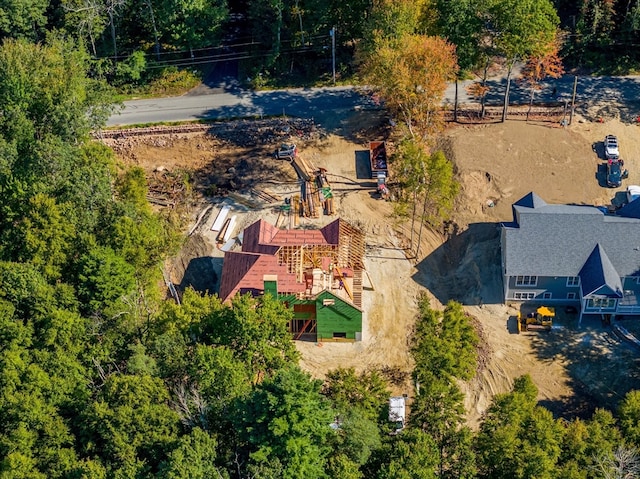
(244, 271)
(257, 238)
(298, 237)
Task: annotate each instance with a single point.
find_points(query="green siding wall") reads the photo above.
(341, 317)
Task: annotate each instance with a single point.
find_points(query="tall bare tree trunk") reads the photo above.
(413, 219)
(113, 35)
(533, 92)
(483, 98)
(278, 31)
(505, 107)
(424, 210)
(455, 103)
(155, 30)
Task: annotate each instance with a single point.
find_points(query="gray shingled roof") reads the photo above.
(557, 240)
(599, 275)
(631, 210)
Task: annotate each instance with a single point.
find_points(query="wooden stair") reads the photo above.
(357, 288)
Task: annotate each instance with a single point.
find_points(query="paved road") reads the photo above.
(237, 103)
(221, 103)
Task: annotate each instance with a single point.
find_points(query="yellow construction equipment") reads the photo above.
(541, 319)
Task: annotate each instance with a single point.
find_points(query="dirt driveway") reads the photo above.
(496, 165)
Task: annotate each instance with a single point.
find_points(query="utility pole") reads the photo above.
(573, 98)
(333, 52)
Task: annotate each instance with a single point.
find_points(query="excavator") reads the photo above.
(539, 320)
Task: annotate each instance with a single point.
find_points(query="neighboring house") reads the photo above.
(573, 254)
(316, 273)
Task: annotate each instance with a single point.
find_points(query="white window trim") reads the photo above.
(547, 295)
(570, 283)
(611, 304)
(532, 281)
(571, 295)
(523, 295)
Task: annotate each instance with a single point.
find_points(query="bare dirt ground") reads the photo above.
(496, 165)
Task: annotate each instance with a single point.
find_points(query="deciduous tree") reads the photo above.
(410, 455)
(191, 24)
(629, 412)
(515, 427)
(427, 182)
(285, 423)
(461, 23)
(256, 331)
(521, 29)
(194, 457)
(104, 278)
(410, 75)
(367, 391)
(45, 90)
(129, 424)
(23, 19)
(537, 68)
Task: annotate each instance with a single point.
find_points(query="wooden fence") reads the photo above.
(553, 112)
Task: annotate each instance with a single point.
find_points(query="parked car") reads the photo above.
(286, 152)
(615, 174)
(611, 147)
(633, 193)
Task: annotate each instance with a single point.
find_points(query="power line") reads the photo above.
(219, 47)
(185, 62)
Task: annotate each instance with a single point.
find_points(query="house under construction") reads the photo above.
(317, 273)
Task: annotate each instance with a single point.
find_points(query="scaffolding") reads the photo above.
(320, 266)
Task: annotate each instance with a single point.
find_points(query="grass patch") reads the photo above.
(168, 82)
(203, 121)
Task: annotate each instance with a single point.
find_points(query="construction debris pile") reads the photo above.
(315, 189)
(243, 133)
(167, 188)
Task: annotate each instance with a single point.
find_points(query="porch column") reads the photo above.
(582, 305)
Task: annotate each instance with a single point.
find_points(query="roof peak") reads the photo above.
(531, 200)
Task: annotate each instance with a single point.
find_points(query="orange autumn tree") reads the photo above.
(410, 75)
(537, 68)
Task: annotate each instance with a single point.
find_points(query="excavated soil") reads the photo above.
(575, 368)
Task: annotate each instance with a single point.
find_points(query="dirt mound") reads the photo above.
(495, 164)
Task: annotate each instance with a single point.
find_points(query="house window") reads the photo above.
(637, 279)
(601, 303)
(524, 295)
(526, 280)
(571, 295)
(339, 335)
(546, 296)
(573, 281)
(328, 302)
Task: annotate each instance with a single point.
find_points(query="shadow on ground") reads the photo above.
(202, 275)
(597, 98)
(465, 268)
(601, 368)
(601, 175)
(325, 107)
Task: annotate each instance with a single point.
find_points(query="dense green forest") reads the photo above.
(100, 377)
(288, 41)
